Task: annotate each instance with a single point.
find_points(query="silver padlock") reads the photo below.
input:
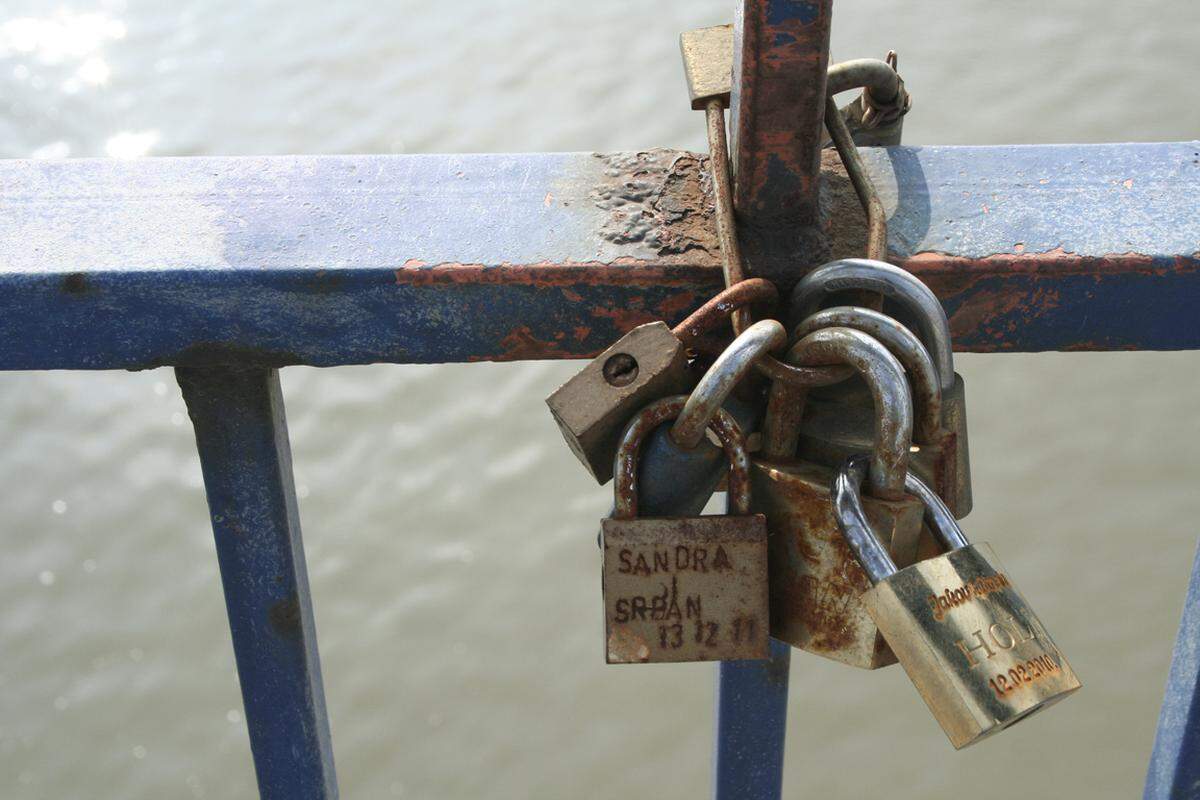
(832, 430)
(917, 307)
(680, 469)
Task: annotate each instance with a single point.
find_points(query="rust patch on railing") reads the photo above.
(660, 198)
(553, 274)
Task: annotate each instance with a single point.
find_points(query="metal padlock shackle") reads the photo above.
(893, 283)
(904, 345)
(722, 306)
(625, 463)
(730, 367)
(852, 520)
(889, 388)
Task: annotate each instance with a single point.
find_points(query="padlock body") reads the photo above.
(685, 588)
(591, 409)
(815, 578)
(978, 655)
(839, 424)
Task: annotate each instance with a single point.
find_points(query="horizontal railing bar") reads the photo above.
(329, 260)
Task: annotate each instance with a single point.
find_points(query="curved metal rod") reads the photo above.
(889, 389)
(937, 516)
(905, 346)
(721, 307)
(718, 158)
(884, 100)
(893, 283)
(731, 253)
(625, 463)
(846, 491)
(725, 373)
(863, 187)
(872, 74)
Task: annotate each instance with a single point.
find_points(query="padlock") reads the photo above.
(914, 305)
(679, 469)
(649, 362)
(978, 655)
(833, 429)
(683, 588)
(815, 579)
(592, 407)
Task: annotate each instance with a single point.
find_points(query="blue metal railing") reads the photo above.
(227, 303)
(197, 263)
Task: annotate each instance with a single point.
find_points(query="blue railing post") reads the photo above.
(241, 434)
(1174, 772)
(751, 723)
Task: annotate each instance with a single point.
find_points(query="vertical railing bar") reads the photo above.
(1174, 772)
(751, 724)
(777, 105)
(241, 435)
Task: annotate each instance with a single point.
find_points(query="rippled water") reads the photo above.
(450, 535)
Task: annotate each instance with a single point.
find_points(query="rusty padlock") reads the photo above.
(683, 588)
(831, 430)
(978, 655)
(679, 469)
(815, 578)
(649, 362)
(946, 466)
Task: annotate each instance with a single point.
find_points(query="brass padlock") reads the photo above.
(978, 655)
(649, 362)
(592, 407)
(946, 464)
(815, 578)
(833, 430)
(683, 588)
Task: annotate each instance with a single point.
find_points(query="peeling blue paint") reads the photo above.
(784, 12)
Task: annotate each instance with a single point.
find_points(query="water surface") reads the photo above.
(450, 535)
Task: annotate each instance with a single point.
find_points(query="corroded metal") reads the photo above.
(836, 427)
(781, 53)
(201, 261)
(834, 432)
(725, 373)
(718, 310)
(592, 408)
(683, 588)
(815, 579)
(872, 205)
(922, 375)
(892, 403)
(876, 117)
(978, 655)
(732, 265)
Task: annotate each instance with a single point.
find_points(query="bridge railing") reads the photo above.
(231, 268)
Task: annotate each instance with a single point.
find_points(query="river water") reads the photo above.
(450, 535)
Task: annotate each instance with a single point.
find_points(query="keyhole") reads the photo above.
(620, 370)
